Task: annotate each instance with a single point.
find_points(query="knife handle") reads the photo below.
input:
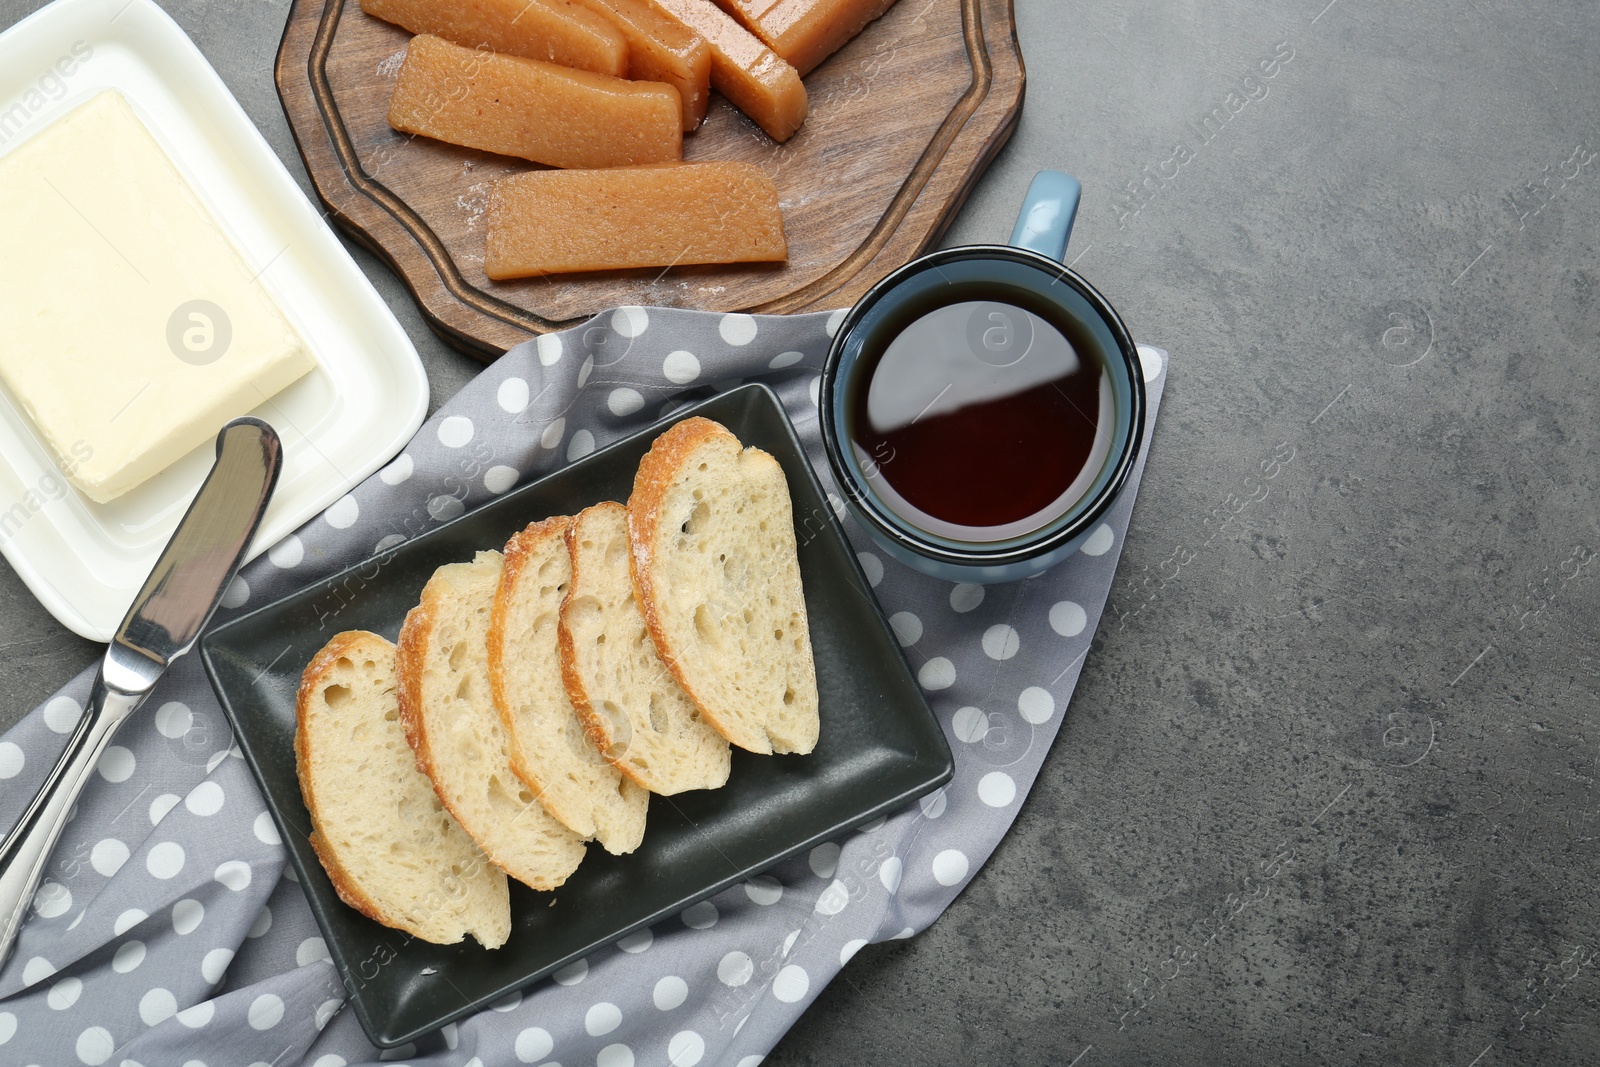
(26, 853)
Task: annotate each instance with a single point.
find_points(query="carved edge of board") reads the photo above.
(484, 326)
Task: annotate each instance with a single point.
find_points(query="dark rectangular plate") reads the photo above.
(880, 745)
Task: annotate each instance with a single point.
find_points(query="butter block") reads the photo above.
(134, 328)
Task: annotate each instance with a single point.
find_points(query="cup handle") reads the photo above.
(1045, 221)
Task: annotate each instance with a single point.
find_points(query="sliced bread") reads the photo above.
(451, 722)
(389, 846)
(632, 708)
(716, 566)
(548, 746)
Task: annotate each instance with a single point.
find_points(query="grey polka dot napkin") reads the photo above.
(169, 931)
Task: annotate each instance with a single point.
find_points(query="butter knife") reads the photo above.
(167, 616)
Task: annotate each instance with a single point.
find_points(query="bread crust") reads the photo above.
(416, 635)
(655, 476)
(594, 725)
(340, 646)
(518, 550)
(410, 655)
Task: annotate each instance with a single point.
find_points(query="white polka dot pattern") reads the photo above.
(685, 1049)
(160, 806)
(187, 915)
(637, 942)
(970, 725)
(1036, 705)
(165, 860)
(737, 330)
(215, 964)
(266, 1011)
(108, 856)
(553, 433)
(52, 900)
(399, 471)
(265, 831)
(287, 553)
(889, 873)
(549, 348)
(670, 993)
(445, 506)
(12, 759)
(62, 714)
(533, 1044)
(238, 592)
(64, 994)
(512, 396)
(343, 513)
(128, 956)
(907, 628)
(965, 597)
(1151, 363)
(1068, 619)
(170, 825)
(996, 789)
(735, 969)
(764, 890)
(1099, 542)
(623, 401)
(792, 984)
(95, 1046)
(456, 431)
(938, 673)
(949, 866)
(205, 799)
(1001, 641)
(630, 321)
(680, 367)
(499, 478)
(601, 1019)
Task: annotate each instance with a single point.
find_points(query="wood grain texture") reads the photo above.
(903, 121)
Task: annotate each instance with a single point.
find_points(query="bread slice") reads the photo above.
(633, 710)
(390, 848)
(450, 720)
(548, 746)
(716, 567)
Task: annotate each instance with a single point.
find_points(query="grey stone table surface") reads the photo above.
(1326, 792)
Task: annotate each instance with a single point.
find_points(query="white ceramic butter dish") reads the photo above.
(366, 397)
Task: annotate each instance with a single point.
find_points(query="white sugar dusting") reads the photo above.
(390, 67)
(475, 201)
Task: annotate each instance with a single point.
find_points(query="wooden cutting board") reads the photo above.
(903, 121)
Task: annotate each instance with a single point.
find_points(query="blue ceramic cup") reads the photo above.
(983, 292)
